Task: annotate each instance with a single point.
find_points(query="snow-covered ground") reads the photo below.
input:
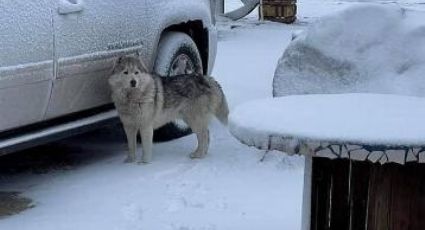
(229, 189)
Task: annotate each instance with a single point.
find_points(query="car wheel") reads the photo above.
(177, 54)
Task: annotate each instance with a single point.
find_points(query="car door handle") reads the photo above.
(70, 6)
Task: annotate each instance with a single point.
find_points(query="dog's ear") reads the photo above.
(116, 64)
(142, 66)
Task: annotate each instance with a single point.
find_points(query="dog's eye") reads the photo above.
(125, 72)
(137, 72)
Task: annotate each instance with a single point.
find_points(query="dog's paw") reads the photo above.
(142, 162)
(129, 160)
(196, 155)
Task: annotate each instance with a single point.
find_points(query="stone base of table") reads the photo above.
(348, 194)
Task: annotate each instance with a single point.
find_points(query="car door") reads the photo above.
(89, 36)
(26, 61)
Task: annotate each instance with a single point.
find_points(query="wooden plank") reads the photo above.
(417, 204)
(388, 197)
(378, 210)
(321, 183)
(359, 189)
(340, 209)
(400, 193)
(397, 197)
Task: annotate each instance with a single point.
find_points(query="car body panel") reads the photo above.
(212, 48)
(26, 61)
(86, 44)
(177, 12)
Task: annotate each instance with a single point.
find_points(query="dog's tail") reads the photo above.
(222, 111)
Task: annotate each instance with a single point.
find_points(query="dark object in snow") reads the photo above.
(12, 203)
(279, 10)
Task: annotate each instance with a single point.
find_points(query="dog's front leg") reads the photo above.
(146, 132)
(131, 133)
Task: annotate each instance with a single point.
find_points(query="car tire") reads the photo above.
(177, 54)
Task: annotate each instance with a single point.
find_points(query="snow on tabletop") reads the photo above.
(373, 119)
(371, 48)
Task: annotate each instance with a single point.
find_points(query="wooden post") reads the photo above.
(219, 7)
(356, 195)
(306, 208)
(397, 197)
(261, 13)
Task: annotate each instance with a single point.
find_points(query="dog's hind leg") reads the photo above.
(146, 132)
(203, 136)
(199, 125)
(131, 133)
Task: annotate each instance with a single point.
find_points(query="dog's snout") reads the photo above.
(133, 83)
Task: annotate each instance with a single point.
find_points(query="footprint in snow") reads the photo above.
(132, 212)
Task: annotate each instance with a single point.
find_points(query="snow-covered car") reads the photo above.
(56, 55)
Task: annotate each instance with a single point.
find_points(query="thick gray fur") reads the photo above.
(146, 101)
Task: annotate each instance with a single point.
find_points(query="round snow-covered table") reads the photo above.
(375, 127)
(342, 136)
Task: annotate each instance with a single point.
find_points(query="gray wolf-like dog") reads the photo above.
(145, 101)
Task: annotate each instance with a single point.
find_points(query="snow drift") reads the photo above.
(366, 48)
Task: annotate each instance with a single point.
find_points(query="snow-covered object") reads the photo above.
(377, 127)
(248, 6)
(365, 48)
(70, 6)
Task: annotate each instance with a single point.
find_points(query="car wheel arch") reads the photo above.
(199, 34)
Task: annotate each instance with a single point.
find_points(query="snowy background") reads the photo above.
(90, 187)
